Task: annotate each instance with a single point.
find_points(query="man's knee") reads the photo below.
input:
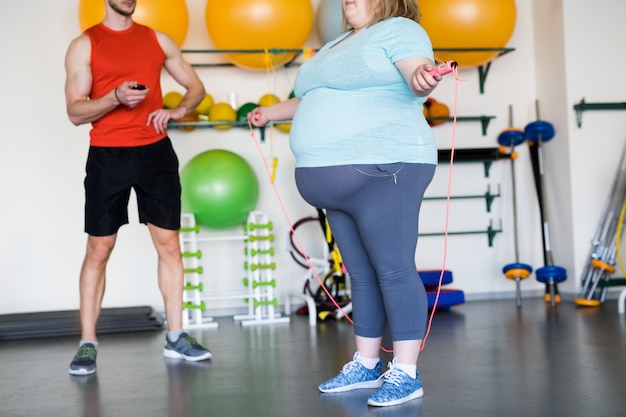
(166, 242)
(99, 248)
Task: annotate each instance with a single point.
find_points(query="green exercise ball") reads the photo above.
(220, 188)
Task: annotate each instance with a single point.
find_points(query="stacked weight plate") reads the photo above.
(67, 323)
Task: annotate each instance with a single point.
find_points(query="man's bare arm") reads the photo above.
(80, 108)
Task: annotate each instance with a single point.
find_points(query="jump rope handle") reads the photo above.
(443, 69)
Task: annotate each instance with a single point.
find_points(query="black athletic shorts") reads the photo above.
(151, 170)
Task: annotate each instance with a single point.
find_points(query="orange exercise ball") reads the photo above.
(259, 24)
(168, 16)
(468, 24)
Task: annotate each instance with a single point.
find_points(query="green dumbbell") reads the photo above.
(196, 254)
(190, 287)
(187, 305)
(271, 283)
(194, 229)
(273, 302)
(197, 270)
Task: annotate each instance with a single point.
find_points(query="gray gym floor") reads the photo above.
(482, 359)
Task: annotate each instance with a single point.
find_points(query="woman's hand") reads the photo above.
(423, 81)
(279, 112)
(258, 117)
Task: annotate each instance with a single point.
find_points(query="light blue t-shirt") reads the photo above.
(355, 106)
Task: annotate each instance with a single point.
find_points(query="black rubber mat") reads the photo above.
(67, 323)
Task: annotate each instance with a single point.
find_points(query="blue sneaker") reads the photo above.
(84, 363)
(354, 376)
(186, 347)
(398, 388)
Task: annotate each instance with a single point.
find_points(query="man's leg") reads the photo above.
(170, 272)
(92, 284)
(171, 276)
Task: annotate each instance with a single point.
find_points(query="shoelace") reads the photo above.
(348, 366)
(85, 352)
(193, 342)
(392, 376)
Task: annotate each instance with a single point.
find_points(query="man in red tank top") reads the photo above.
(113, 82)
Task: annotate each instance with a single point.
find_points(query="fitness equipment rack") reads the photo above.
(259, 292)
(537, 133)
(601, 260)
(517, 271)
(193, 304)
(262, 303)
(329, 269)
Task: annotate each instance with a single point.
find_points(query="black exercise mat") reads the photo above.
(67, 323)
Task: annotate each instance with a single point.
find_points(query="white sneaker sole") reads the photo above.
(416, 394)
(377, 383)
(82, 372)
(172, 354)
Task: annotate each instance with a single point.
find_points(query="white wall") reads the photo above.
(594, 52)
(562, 54)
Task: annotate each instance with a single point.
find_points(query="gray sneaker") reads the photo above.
(84, 363)
(186, 347)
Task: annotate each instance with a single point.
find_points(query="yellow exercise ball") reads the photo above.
(269, 99)
(172, 99)
(168, 16)
(222, 112)
(259, 24)
(468, 24)
(205, 105)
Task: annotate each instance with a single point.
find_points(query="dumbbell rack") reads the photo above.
(262, 302)
(193, 303)
(259, 282)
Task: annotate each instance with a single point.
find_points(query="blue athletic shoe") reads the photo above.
(354, 376)
(84, 363)
(186, 347)
(398, 388)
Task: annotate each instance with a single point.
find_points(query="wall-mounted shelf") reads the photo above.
(483, 70)
(490, 232)
(272, 51)
(583, 106)
(485, 155)
(202, 124)
(488, 196)
(484, 120)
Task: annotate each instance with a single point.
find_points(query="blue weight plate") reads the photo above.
(508, 267)
(514, 137)
(539, 129)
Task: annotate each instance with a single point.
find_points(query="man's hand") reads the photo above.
(128, 96)
(159, 118)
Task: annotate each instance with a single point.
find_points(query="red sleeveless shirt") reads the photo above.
(117, 56)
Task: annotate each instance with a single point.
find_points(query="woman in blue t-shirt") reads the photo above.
(365, 153)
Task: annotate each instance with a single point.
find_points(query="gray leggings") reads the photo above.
(373, 212)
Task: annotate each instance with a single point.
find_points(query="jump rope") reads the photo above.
(445, 68)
